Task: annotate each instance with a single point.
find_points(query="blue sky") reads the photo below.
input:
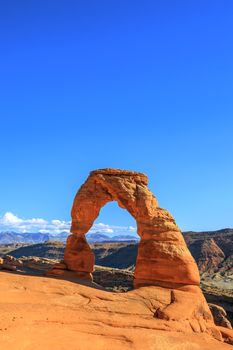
(141, 85)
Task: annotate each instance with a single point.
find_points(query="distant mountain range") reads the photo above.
(100, 237)
(192, 238)
(33, 238)
(14, 237)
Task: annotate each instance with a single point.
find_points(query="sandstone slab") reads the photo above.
(46, 313)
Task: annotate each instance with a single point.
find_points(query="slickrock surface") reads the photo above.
(45, 313)
(163, 257)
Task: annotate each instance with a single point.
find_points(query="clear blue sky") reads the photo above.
(141, 85)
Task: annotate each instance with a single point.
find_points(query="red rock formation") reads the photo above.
(163, 258)
(79, 256)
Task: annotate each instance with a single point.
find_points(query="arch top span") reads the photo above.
(163, 256)
(128, 188)
(120, 172)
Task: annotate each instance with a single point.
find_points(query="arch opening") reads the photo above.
(115, 246)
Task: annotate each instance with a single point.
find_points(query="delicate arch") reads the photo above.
(163, 257)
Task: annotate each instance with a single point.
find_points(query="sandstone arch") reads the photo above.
(163, 257)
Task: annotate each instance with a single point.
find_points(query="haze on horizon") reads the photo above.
(144, 86)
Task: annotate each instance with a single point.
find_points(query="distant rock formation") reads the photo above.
(163, 257)
(213, 252)
(208, 255)
(220, 316)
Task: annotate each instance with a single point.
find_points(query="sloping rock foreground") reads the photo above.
(44, 313)
(111, 279)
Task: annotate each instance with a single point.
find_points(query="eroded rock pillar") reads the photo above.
(163, 257)
(79, 256)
